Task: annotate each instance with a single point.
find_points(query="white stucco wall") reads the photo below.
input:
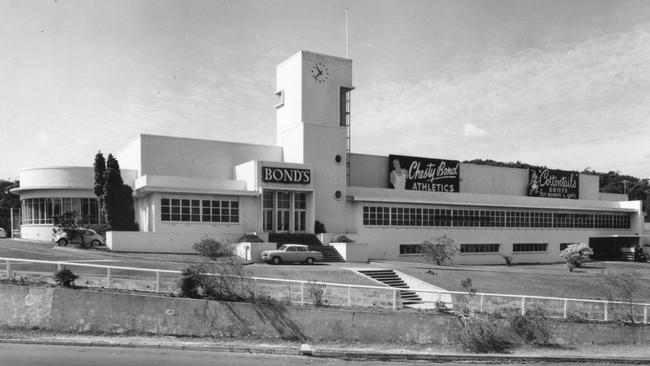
(185, 157)
(135, 241)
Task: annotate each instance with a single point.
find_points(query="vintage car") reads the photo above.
(91, 238)
(292, 253)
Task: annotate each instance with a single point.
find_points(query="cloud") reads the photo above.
(560, 106)
(471, 130)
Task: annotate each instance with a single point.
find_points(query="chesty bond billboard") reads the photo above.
(423, 174)
(544, 182)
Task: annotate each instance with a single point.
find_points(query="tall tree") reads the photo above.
(118, 198)
(8, 201)
(100, 169)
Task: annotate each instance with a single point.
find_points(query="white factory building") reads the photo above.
(187, 188)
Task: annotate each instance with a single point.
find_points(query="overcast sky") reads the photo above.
(559, 83)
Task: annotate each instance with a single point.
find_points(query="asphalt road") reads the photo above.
(41, 355)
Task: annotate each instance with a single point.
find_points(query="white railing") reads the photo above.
(298, 289)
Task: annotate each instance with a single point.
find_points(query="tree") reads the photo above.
(443, 249)
(100, 169)
(575, 255)
(8, 201)
(621, 287)
(118, 198)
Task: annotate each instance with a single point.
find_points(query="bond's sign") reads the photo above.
(286, 175)
(553, 183)
(422, 174)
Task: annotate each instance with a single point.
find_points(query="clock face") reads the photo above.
(319, 72)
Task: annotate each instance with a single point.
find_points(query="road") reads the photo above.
(43, 355)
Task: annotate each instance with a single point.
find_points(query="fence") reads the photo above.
(336, 294)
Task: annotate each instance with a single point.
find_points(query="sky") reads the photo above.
(561, 83)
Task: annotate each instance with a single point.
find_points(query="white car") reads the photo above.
(91, 238)
(3, 234)
(292, 253)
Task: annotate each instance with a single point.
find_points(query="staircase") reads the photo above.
(330, 254)
(390, 278)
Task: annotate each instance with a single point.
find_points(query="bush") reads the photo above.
(481, 334)
(531, 328)
(190, 283)
(319, 228)
(343, 239)
(212, 249)
(442, 250)
(316, 291)
(575, 255)
(250, 238)
(222, 278)
(65, 278)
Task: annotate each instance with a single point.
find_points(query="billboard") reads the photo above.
(544, 182)
(423, 174)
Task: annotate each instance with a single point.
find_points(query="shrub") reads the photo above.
(65, 278)
(250, 238)
(575, 255)
(190, 283)
(316, 291)
(319, 227)
(222, 278)
(442, 250)
(342, 239)
(212, 249)
(508, 259)
(531, 328)
(481, 334)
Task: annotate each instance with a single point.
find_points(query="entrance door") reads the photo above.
(283, 211)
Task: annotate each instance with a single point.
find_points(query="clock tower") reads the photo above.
(313, 116)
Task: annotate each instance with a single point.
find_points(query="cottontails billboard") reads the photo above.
(553, 183)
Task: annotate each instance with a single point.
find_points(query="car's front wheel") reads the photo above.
(62, 242)
(310, 260)
(95, 243)
(276, 260)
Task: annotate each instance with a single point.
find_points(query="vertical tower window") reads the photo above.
(344, 100)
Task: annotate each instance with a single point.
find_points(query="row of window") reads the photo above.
(415, 249)
(186, 210)
(37, 211)
(412, 216)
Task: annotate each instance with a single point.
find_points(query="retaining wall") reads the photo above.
(86, 311)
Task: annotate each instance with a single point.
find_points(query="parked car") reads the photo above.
(3, 234)
(91, 238)
(289, 253)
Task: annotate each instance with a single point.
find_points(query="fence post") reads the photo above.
(349, 296)
(108, 276)
(606, 317)
(523, 306)
(255, 289)
(395, 299)
(59, 266)
(8, 269)
(481, 306)
(645, 314)
(302, 293)
(565, 308)
(157, 281)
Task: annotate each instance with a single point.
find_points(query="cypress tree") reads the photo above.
(112, 192)
(118, 198)
(100, 168)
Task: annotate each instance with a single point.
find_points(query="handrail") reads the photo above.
(302, 282)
